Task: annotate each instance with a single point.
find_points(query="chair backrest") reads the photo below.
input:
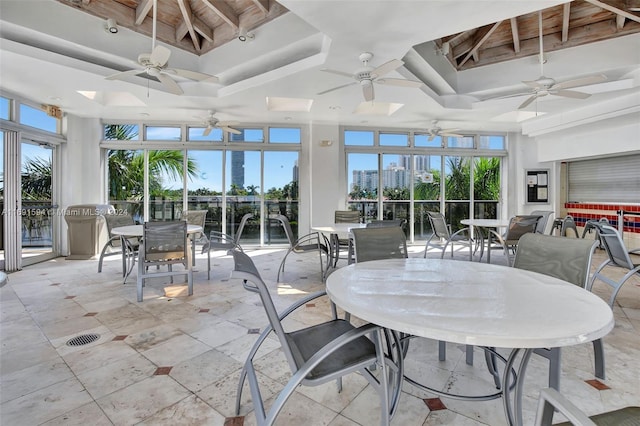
(195, 217)
(568, 259)
(568, 224)
(614, 246)
(386, 223)
(346, 216)
(542, 223)
(520, 225)
(439, 225)
(287, 227)
(246, 270)
(379, 243)
(116, 220)
(165, 242)
(243, 223)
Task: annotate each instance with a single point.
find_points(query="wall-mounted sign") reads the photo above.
(537, 186)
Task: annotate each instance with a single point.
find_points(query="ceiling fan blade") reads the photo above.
(443, 131)
(399, 82)
(336, 88)
(387, 67)
(120, 75)
(171, 85)
(230, 130)
(451, 135)
(527, 102)
(160, 56)
(367, 91)
(207, 131)
(533, 83)
(342, 73)
(570, 94)
(193, 75)
(432, 136)
(584, 81)
(227, 123)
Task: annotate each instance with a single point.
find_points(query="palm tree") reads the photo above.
(36, 179)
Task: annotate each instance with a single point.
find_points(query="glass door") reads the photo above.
(38, 210)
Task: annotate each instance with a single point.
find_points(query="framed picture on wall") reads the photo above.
(537, 186)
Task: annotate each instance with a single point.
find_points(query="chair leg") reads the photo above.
(598, 352)
(209, 264)
(469, 354)
(442, 350)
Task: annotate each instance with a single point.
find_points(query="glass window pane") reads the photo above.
(423, 140)
(204, 189)
(242, 190)
(394, 139)
(162, 133)
(37, 118)
(463, 142)
(197, 134)
(4, 108)
(362, 181)
(281, 185)
(284, 135)
(426, 192)
(121, 132)
(247, 135)
(486, 187)
(126, 181)
(396, 178)
(491, 142)
(457, 190)
(166, 183)
(358, 137)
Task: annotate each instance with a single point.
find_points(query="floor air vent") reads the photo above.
(83, 339)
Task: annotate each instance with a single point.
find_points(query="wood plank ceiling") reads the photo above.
(567, 25)
(197, 26)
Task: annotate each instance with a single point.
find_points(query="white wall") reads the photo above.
(327, 174)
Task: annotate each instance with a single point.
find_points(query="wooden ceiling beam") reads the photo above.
(566, 13)
(142, 11)
(515, 35)
(224, 11)
(615, 10)
(263, 5)
(187, 16)
(483, 38)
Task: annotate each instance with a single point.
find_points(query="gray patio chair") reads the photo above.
(196, 217)
(346, 216)
(618, 256)
(221, 241)
(542, 223)
(386, 223)
(319, 353)
(114, 244)
(551, 400)
(442, 236)
(379, 243)
(518, 226)
(342, 244)
(568, 259)
(568, 227)
(312, 242)
(164, 244)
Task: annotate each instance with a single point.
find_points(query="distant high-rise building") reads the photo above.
(237, 163)
(296, 172)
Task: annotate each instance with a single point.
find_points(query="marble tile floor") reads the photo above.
(175, 359)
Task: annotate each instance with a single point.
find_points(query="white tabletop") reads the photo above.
(470, 303)
(342, 229)
(138, 231)
(486, 223)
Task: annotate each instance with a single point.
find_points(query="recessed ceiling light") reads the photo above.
(144, 114)
(55, 98)
(334, 107)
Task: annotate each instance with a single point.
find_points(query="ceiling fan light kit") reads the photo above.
(111, 26)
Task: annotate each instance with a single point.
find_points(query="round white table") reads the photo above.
(129, 231)
(482, 227)
(473, 303)
(337, 231)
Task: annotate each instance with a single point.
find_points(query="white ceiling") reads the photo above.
(49, 52)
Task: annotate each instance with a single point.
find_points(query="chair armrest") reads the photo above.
(313, 238)
(550, 399)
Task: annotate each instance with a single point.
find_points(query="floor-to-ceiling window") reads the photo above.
(229, 174)
(401, 175)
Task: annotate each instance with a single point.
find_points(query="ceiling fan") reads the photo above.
(212, 122)
(367, 75)
(544, 86)
(156, 65)
(436, 131)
